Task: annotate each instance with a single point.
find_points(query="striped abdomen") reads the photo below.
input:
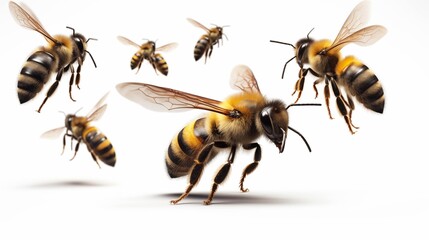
(34, 74)
(361, 82)
(184, 147)
(136, 60)
(99, 145)
(159, 63)
(201, 47)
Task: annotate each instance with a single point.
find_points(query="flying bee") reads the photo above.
(148, 51)
(349, 73)
(58, 56)
(238, 121)
(204, 46)
(80, 129)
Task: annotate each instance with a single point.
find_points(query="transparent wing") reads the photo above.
(167, 47)
(242, 78)
(98, 110)
(27, 19)
(162, 99)
(127, 41)
(353, 30)
(197, 24)
(53, 133)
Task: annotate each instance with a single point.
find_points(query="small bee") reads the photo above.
(238, 121)
(206, 42)
(79, 128)
(147, 51)
(58, 56)
(351, 74)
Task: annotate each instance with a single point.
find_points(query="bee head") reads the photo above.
(68, 121)
(81, 45)
(274, 120)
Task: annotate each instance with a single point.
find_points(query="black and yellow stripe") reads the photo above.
(201, 47)
(160, 64)
(184, 147)
(34, 74)
(99, 145)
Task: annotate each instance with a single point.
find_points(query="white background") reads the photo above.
(371, 185)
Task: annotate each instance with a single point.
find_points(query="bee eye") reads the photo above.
(267, 124)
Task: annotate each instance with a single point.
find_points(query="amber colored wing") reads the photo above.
(167, 47)
(161, 99)
(98, 110)
(53, 133)
(27, 19)
(353, 30)
(242, 78)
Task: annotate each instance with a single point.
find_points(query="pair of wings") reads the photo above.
(163, 99)
(96, 113)
(165, 47)
(26, 18)
(353, 30)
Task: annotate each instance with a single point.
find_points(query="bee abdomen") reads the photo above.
(135, 60)
(100, 146)
(160, 64)
(183, 148)
(363, 84)
(201, 47)
(34, 74)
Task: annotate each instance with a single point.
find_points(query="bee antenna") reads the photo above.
(308, 34)
(71, 29)
(303, 104)
(289, 44)
(94, 39)
(284, 68)
(63, 113)
(303, 138)
(91, 58)
(77, 111)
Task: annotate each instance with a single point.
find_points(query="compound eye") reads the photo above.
(267, 123)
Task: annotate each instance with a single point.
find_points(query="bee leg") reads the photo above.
(52, 88)
(94, 158)
(76, 148)
(224, 170)
(352, 107)
(251, 167)
(319, 80)
(328, 95)
(341, 104)
(71, 82)
(139, 65)
(77, 82)
(64, 141)
(196, 171)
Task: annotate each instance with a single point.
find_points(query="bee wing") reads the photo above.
(197, 24)
(161, 99)
(98, 110)
(27, 19)
(242, 78)
(167, 47)
(53, 133)
(353, 31)
(127, 41)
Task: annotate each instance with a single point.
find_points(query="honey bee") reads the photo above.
(204, 46)
(148, 51)
(348, 72)
(238, 121)
(79, 128)
(58, 56)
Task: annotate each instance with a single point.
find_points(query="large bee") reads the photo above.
(351, 74)
(58, 56)
(148, 51)
(79, 128)
(238, 121)
(204, 46)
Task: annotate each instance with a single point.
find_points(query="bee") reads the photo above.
(148, 51)
(58, 56)
(79, 128)
(349, 73)
(238, 121)
(204, 46)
